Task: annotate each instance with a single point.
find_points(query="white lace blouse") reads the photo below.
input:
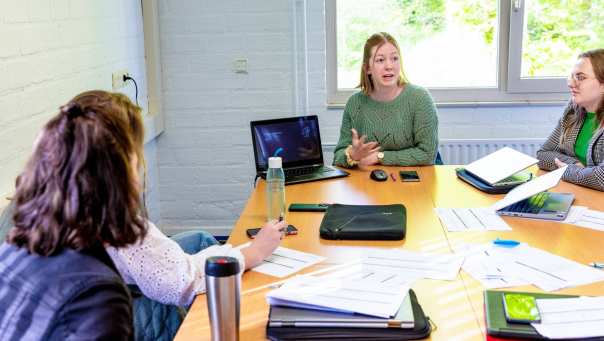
(163, 271)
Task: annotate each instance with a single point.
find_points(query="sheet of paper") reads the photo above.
(284, 262)
(471, 219)
(539, 184)
(379, 275)
(591, 219)
(574, 214)
(419, 264)
(500, 164)
(563, 318)
(360, 296)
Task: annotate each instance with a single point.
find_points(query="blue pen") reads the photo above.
(597, 265)
(506, 242)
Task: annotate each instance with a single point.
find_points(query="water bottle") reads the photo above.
(275, 189)
(222, 292)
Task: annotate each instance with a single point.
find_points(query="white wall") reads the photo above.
(205, 155)
(51, 50)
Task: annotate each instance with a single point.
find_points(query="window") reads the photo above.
(465, 50)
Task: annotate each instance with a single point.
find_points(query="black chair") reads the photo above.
(439, 159)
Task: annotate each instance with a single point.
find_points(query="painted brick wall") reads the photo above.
(205, 155)
(50, 50)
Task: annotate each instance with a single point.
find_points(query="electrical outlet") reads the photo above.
(117, 79)
(240, 65)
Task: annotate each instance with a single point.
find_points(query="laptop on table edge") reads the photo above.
(297, 141)
(523, 201)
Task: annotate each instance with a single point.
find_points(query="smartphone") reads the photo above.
(298, 207)
(520, 308)
(408, 176)
(291, 229)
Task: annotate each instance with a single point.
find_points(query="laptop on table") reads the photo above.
(500, 169)
(531, 199)
(298, 142)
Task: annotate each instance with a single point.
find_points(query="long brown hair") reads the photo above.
(378, 39)
(576, 112)
(78, 189)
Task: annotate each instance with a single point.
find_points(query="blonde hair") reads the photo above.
(378, 39)
(596, 57)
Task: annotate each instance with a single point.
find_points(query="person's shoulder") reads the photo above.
(417, 91)
(356, 98)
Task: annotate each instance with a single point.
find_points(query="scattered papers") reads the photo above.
(419, 264)
(471, 219)
(565, 318)
(373, 274)
(284, 262)
(526, 265)
(342, 295)
(584, 217)
(538, 185)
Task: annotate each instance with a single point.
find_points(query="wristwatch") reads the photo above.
(380, 156)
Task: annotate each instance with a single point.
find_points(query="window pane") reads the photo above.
(556, 32)
(444, 43)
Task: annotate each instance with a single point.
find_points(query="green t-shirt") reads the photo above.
(585, 134)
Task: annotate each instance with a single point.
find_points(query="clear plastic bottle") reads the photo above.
(275, 189)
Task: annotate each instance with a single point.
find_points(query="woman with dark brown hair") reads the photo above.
(78, 195)
(578, 140)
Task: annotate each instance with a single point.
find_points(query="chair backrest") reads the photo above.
(439, 159)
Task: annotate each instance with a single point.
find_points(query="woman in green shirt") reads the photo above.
(578, 139)
(391, 121)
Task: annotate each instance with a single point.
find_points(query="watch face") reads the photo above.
(380, 155)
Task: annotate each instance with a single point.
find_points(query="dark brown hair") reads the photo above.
(378, 39)
(78, 189)
(596, 57)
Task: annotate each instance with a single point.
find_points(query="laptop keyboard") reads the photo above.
(301, 171)
(533, 204)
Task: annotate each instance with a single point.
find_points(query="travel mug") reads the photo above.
(222, 292)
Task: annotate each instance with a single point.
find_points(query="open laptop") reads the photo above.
(531, 199)
(297, 141)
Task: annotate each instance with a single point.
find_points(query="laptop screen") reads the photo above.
(295, 139)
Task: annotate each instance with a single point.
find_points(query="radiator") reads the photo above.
(461, 152)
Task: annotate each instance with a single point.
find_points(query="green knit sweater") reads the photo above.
(406, 127)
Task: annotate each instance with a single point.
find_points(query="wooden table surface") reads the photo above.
(455, 306)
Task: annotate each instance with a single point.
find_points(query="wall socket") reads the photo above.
(117, 79)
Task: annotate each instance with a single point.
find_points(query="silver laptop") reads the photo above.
(531, 200)
(298, 142)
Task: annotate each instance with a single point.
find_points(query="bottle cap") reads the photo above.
(221, 266)
(274, 162)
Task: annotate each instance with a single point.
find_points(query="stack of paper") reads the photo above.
(471, 219)
(341, 295)
(284, 262)
(571, 318)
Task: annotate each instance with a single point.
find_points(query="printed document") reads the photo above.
(471, 219)
(584, 217)
(500, 164)
(566, 318)
(341, 295)
(419, 264)
(284, 262)
(538, 185)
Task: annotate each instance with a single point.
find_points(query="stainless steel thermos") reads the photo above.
(222, 292)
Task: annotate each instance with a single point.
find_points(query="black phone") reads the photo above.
(291, 229)
(408, 176)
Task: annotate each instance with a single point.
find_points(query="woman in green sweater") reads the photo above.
(578, 139)
(390, 122)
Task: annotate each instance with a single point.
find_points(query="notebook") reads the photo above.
(500, 165)
(298, 142)
(294, 317)
(531, 199)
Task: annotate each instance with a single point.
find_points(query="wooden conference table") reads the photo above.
(456, 306)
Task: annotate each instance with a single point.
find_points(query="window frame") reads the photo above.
(510, 88)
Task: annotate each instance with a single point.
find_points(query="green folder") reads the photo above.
(497, 325)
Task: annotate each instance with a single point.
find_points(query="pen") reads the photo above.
(506, 242)
(597, 265)
(392, 176)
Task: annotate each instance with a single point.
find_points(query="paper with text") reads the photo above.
(284, 262)
(564, 318)
(471, 219)
(411, 263)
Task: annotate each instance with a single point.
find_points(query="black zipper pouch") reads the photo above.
(364, 222)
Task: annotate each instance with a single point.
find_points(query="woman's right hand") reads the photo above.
(360, 149)
(265, 242)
